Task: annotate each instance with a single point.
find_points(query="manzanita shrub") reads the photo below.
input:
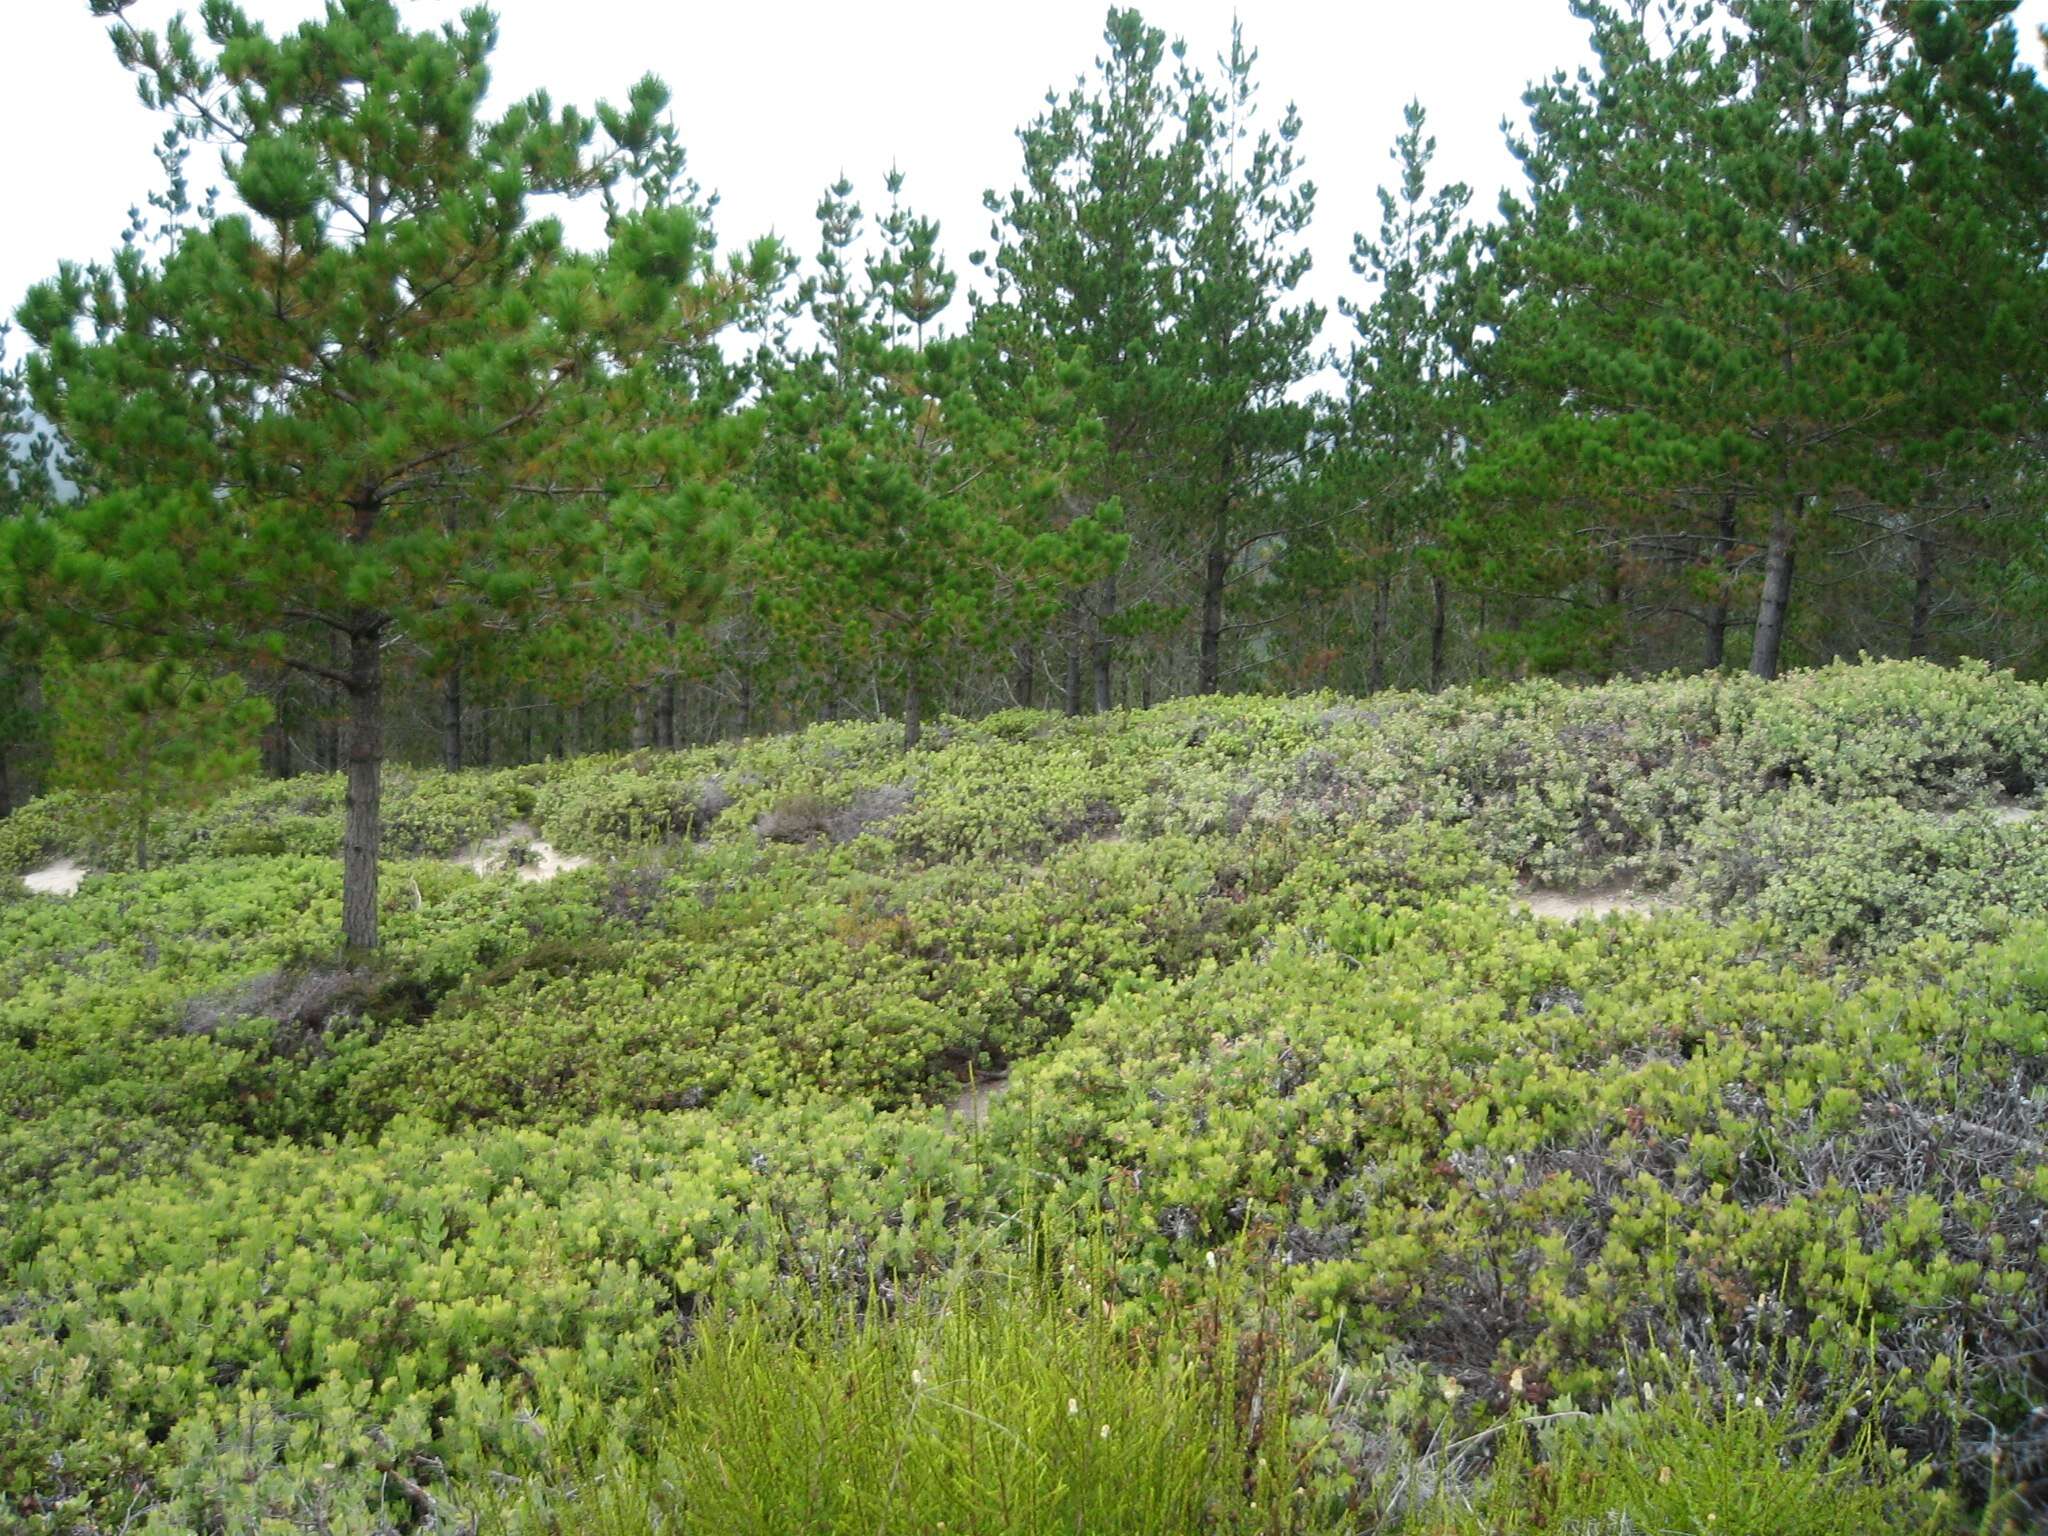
(339, 1245)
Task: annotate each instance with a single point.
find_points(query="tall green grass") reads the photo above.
(1691, 1461)
(1000, 1407)
(1022, 1402)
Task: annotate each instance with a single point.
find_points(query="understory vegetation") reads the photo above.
(1169, 1120)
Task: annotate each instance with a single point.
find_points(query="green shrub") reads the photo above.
(289, 1240)
(1862, 876)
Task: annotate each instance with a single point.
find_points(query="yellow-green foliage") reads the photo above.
(985, 1406)
(284, 1239)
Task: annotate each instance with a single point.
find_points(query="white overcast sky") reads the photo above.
(774, 99)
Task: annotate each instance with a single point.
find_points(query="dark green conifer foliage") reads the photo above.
(909, 480)
(1703, 299)
(1406, 402)
(380, 401)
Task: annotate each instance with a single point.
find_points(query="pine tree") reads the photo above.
(1085, 257)
(281, 426)
(908, 486)
(1238, 348)
(27, 488)
(1406, 402)
(1699, 301)
(138, 739)
(1964, 200)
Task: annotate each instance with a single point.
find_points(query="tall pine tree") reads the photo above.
(1701, 301)
(281, 425)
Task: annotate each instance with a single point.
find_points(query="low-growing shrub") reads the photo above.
(1861, 876)
(1242, 982)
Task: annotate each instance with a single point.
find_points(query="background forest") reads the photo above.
(1747, 374)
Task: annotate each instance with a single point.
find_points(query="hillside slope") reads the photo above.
(1252, 976)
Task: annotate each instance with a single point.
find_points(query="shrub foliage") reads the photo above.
(344, 1245)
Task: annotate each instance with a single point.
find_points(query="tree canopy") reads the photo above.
(1747, 371)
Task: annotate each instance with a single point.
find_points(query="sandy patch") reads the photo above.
(972, 1105)
(517, 851)
(1580, 906)
(58, 879)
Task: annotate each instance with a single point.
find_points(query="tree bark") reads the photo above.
(1717, 613)
(451, 718)
(746, 704)
(643, 720)
(327, 741)
(1923, 594)
(1075, 618)
(1376, 666)
(277, 736)
(1103, 657)
(364, 829)
(1027, 675)
(1610, 640)
(665, 714)
(913, 710)
(1777, 594)
(6, 783)
(1215, 572)
(1440, 595)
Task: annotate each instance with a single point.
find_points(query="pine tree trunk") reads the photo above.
(1376, 668)
(1611, 592)
(1074, 638)
(665, 715)
(277, 738)
(482, 755)
(1440, 595)
(451, 719)
(1103, 655)
(6, 782)
(1717, 614)
(1777, 595)
(1923, 594)
(1027, 675)
(1215, 571)
(643, 720)
(746, 704)
(364, 829)
(913, 710)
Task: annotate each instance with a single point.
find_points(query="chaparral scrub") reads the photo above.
(540, 1214)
